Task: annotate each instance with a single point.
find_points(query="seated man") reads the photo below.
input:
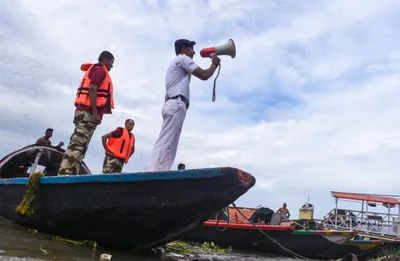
(283, 211)
(45, 140)
(181, 166)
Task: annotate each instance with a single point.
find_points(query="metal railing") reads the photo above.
(374, 223)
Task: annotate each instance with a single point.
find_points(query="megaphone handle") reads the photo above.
(215, 81)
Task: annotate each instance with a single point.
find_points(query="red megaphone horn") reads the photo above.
(225, 49)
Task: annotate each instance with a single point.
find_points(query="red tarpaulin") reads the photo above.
(366, 197)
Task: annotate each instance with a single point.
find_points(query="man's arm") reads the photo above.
(96, 79)
(92, 96)
(117, 133)
(133, 150)
(191, 67)
(104, 139)
(60, 144)
(204, 75)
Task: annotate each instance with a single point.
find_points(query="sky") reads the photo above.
(309, 104)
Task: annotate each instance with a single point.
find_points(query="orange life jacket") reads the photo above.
(104, 93)
(122, 147)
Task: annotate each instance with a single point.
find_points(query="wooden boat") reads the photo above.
(288, 238)
(134, 211)
(369, 219)
(378, 230)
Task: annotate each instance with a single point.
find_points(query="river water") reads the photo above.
(18, 244)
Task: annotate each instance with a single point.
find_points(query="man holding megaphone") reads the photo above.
(177, 98)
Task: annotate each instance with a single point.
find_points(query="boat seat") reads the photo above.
(51, 170)
(276, 219)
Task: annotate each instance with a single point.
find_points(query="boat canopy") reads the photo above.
(25, 161)
(366, 197)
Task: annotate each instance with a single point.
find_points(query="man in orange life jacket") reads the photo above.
(93, 99)
(119, 148)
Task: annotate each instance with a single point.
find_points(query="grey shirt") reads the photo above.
(177, 78)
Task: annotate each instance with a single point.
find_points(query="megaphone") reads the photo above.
(225, 49)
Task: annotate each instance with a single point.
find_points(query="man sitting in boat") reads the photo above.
(45, 140)
(181, 166)
(283, 211)
(119, 147)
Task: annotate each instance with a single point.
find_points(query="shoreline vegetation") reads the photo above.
(388, 254)
(180, 250)
(180, 247)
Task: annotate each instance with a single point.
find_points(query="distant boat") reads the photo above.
(287, 238)
(133, 211)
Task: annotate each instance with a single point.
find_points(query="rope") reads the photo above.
(273, 240)
(25, 208)
(215, 80)
(227, 223)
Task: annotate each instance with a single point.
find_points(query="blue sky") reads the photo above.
(309, 104)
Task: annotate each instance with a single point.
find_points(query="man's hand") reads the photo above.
(60, 144)
(96, 119)
(206, 74)
(215, 60)
(109, 153)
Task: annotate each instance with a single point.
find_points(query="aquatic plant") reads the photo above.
(87, 243)
(185, 248)
(387, 253)
(390, 251)
(25, 208)
(213, 248)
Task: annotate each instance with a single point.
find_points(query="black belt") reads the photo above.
(186, 101)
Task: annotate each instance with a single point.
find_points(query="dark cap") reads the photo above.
(183, 43)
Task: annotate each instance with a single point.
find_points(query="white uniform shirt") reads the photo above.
(178, 76)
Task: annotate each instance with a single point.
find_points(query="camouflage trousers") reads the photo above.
(78, 144)
(112, 165)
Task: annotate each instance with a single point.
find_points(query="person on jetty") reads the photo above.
(177, 99)
(284, 211)
(45, 140)
(119, 146)
(93, 99)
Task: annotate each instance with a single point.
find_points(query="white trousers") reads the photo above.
(164, 151)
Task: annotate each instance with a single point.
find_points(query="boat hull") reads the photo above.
(126, 211)
(238, 236)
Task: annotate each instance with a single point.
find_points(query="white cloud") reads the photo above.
(308, 105)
